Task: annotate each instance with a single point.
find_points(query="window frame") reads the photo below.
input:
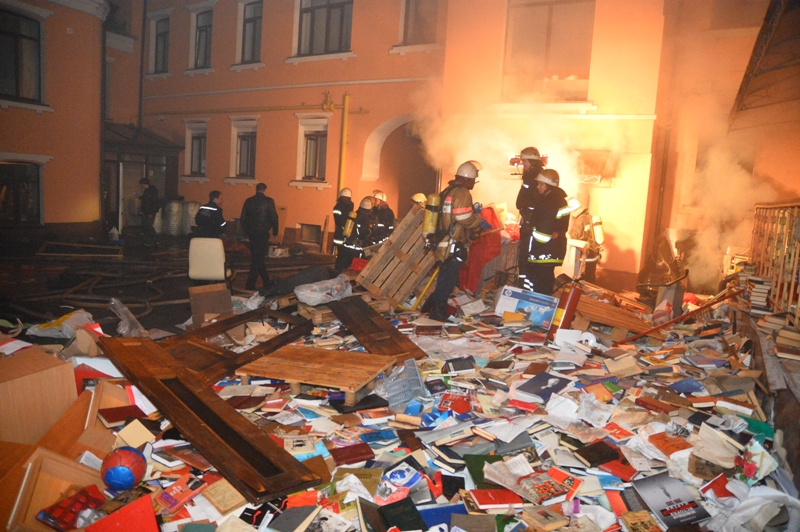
(161, 47)
(195, 127)
(310, 123)
(38, 68)
(256, 35)
(38, 162)
(195, 10)
(242, 125)
(546, 71)
(250, 137)
(405, 17)
(338, 5)
(201, 31)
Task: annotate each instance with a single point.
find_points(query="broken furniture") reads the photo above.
(401, 263)
(324, 314)
(347, 371)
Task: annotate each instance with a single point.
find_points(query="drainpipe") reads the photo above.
(343, 141)
(103, 82)
(141, 63)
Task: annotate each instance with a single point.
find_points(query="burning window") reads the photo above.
(548, 49)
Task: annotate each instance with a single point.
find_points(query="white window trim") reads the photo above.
(403, 49)
(305, 183)
(163, 75)
(240, 124)
(193, 125)
(198, 71)
(194, 9)
(247, 66)
(39, 108)
(307, 122)
(25, 158)
(344, 56)
(32, 10)
(123, 43)
(153, 17)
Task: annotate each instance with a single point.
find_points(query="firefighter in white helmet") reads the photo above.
(582, 229)
(455, 227)
(382, 218)
(547, 244)
(360, 235)
(343, 207)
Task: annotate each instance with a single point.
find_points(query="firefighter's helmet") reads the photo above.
(549, 177)
(469, 170)
(346, 193)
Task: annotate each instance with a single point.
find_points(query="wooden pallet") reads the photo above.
(343, 370)
(324, 314)
(401, 263)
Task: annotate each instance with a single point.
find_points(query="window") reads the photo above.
(19, 194)
(202, 40)
(20, 63)
(315, 151)
(419, 24)
(548, 49)
(161, 52)
(325, 26)
(198, 154)
(251, 33)
(246, 154)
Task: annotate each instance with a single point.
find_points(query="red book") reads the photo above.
(718, 485)
(116, 416)
(619, 468)
(180, 492)
(655, 405)
(570, 482)
(487, 499)
(352, 454)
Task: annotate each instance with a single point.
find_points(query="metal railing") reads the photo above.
(775, 253)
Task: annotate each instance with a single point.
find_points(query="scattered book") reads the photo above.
(596, 453)
(669, 500)
(544, 518)
(117, 416)
(495, 499)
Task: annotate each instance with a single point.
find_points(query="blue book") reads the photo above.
(687, 385)
(439, 514)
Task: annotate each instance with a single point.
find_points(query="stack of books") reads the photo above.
(758, 294)
(771, 323)
(787, 343)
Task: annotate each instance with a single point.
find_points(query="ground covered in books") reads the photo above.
(500, 427)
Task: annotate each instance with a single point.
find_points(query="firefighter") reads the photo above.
(547, 243)
(582, 229)
(209, 219)
(353, 246)
(382, 218)
(527, 200)
(455, 227)
(258, 218)
(342, 209)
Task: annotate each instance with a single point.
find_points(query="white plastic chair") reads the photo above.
(207, 260)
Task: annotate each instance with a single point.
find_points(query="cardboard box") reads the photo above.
(35, 390)
(209, 299)
(539, 307)
(95, 435)
(48, 477)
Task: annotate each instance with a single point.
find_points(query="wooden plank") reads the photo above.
(613, 316)
(405, 290)
(258, 467)
(376, 334)
(324, 314)
(343, 370)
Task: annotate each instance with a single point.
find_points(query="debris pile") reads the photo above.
(494, 420)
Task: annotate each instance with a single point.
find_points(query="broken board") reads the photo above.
(401, 263)
(377, 335)
(344, 370)
(616, 317)
(324, 314)
(247, 457)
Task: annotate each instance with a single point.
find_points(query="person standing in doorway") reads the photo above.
(259, 217)
(209, 219)
(150, 206)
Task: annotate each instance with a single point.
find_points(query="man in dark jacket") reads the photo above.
(342, 209)
(259, 217)
(527, 200)
(150, 205)
(547, 244)
(209, 219)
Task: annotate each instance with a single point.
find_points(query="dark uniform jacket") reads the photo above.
(362, 231)
(259, 216)
(209, 220)
(343, 207)
(457, 219)
(382, 223)
(547, 244)
(150, 201)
